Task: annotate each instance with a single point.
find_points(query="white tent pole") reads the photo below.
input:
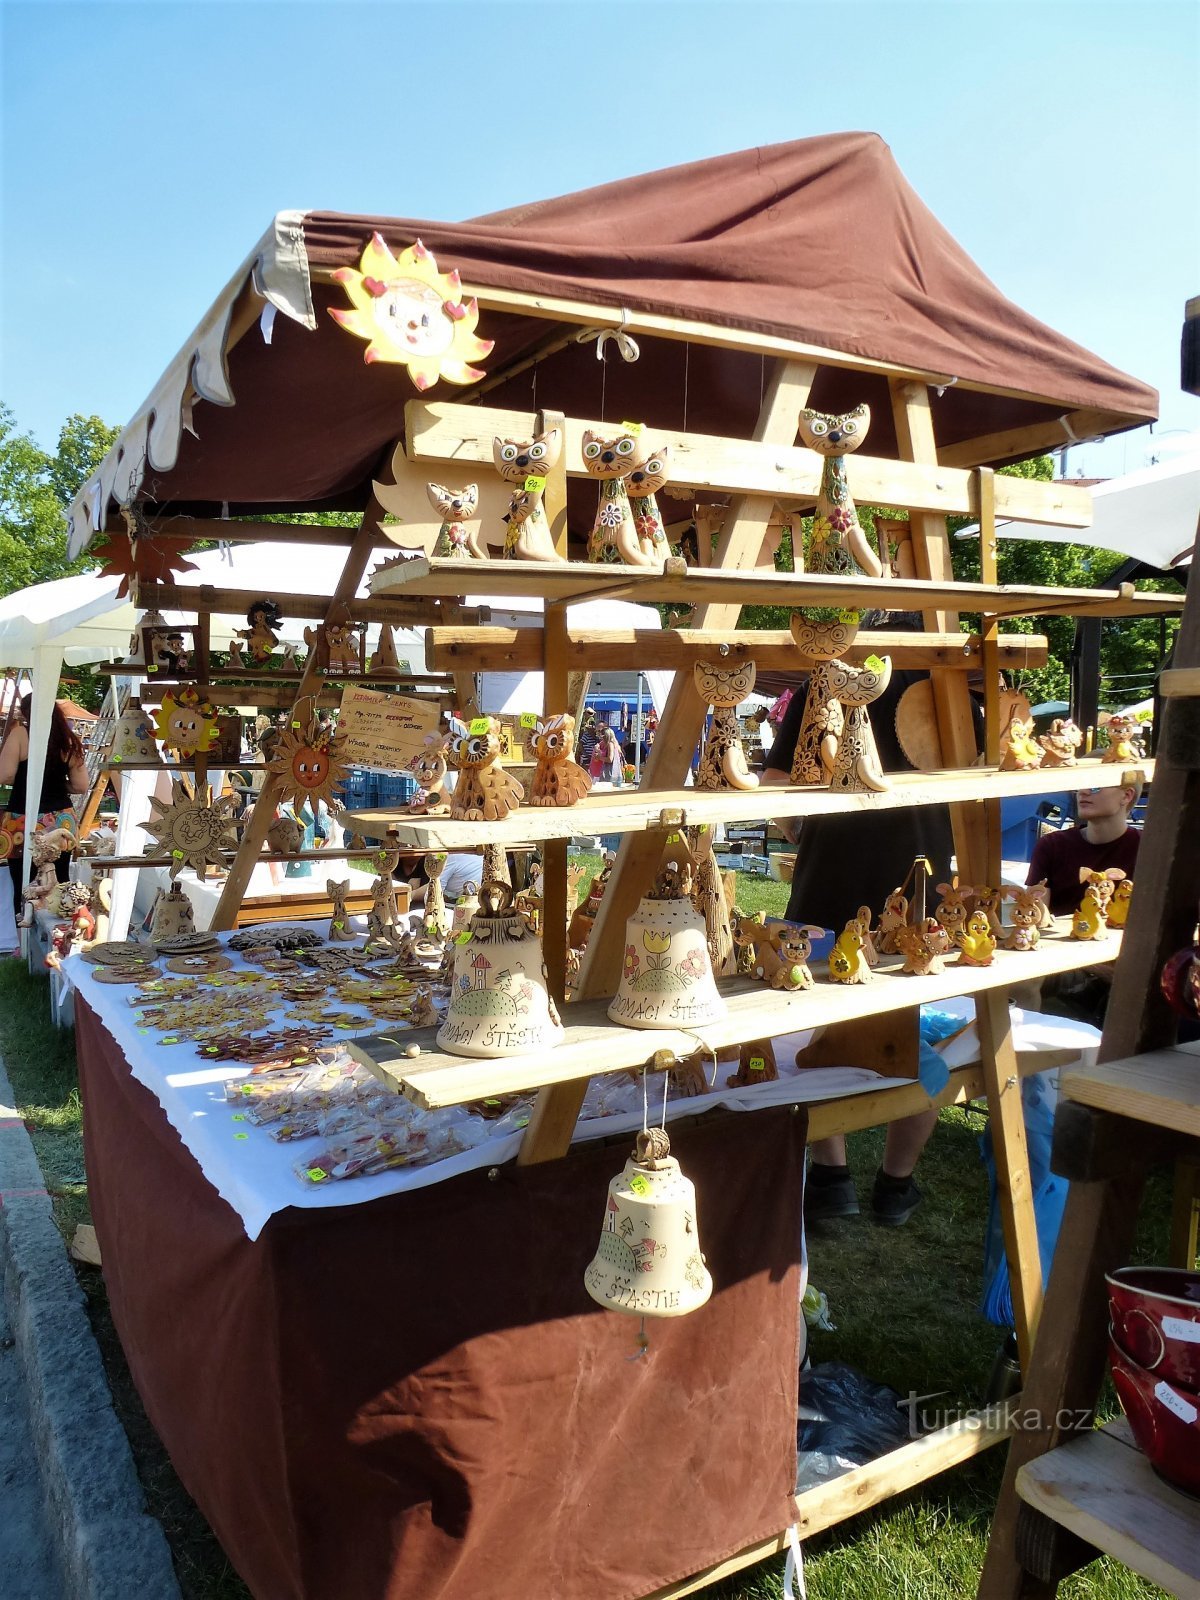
(136, 789)
(46, 667)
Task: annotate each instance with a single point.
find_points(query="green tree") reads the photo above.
(35, 490)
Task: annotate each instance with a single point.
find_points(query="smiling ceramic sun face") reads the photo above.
(187, 724)
(308, 765)
(410, 313)
(194, 833)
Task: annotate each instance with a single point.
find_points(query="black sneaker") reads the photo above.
(894, 1200)
(825, 1201)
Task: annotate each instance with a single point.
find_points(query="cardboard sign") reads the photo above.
(384, 730)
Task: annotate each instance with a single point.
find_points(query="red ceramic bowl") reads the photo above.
(1164, 1419)
(1154, 1314)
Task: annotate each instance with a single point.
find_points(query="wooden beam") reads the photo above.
(495, 649)
(1036, 438)
(443, 430)
(207, 598)
(236, 530)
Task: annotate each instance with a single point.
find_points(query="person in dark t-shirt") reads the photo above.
(1103, 838)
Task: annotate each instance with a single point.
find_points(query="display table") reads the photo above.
(414, 1396)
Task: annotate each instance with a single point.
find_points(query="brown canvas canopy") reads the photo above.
(816, 248)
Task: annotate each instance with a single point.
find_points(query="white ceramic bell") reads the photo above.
(499, 1003)
(133, 736)
(648, 1261)
(666, 974)
(137, 642)
(465, 908)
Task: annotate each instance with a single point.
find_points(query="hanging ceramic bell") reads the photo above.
(666, 976)
(465, 908)
(499, 1003)
(137, 639)
(648, 1262)
(133, 736)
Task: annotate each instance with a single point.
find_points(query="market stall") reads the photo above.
(413, 1337)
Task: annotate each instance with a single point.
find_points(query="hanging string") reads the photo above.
(687, 362)
(645, 1105)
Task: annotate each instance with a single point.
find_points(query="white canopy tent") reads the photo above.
(1151, 514)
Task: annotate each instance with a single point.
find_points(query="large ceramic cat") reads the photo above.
(856, 766)
(642, 486)
(527, 536)
(723, 761)
(837, 545)
(614, 536)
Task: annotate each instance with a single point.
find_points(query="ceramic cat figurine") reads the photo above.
(456, 507)
(823, 720)
(723, 761)
(339, 922)
(528, 536)
(642, 487)
(557, 779)
(856, 766)
(429, 767)
(614, 536)
(484, 792)
(837, 545)
(436, 921)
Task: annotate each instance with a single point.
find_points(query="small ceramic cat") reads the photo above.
(436, 921)
(856, 766)
(837, 545)
(456, 507)
(339, 922)
(527, 536)
(723, 761)
(642, 487)
(614, 536)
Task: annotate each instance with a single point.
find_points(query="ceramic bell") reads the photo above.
(666, 976)
(499, 1003)
(133, 736)
(648, 1262)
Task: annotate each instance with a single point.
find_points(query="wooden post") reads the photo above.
(990, 646)
(549, 1133)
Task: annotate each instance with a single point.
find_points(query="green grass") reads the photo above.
(904, 1302)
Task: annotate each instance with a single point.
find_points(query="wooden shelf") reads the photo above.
(633, 811)
(1102, 1488)
(1161, 1087)
(692, 586)
(250, 679)
(594, 1045)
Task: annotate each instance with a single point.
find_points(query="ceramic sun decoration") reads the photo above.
(456, 507)
(339, 921)
(429, 767)
(823, 720)
(1023, 753)
(837, 546)
(666, 976)
(856, 766)
(723, 761)
(524, 464)
(194, 833)
(614, 536)
(499, 1002)
(410, 313)
(847, 964)
(262, 617)
(1124, 745)
(1060, 745)
(976, 941)
(186, 724)
(308, 764)
(558, 780)
(642, 486)
(1117, 912)
(484, 791)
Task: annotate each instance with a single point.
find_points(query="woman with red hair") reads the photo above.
(65, 775)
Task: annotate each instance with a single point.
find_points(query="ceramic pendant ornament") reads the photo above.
(723, 761)
(456, 507)
(856, 766)
(410, 313)
(483, 790)
(648, 1262)
(133, 736)
(642, 486)
(558, 780)
(614, 536)
(194, 833)
(838, 546)
(499, 1002)
(525, 464)
(1061, 745)
(186, 724)
(666, 976)
(308, 765)
(824, 642)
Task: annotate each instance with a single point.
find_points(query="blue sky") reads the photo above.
(146, 145)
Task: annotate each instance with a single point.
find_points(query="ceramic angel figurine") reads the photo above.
(484, 792)
(614, 536)
(856, 766)
(524, 464)
(837, 546)
(456, 507)
(723, 761)
(558, 780)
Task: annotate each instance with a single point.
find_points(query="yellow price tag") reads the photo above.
(757, 1064)
(464, 937)
(851, 618)
(638, 1184)
(874, 663)
(241, 1136)
(529, 719)
(479, 725)
(534, 485)
(632, 427)
(317, 1173)
(117, 758)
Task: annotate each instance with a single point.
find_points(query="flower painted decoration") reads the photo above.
(409, 312)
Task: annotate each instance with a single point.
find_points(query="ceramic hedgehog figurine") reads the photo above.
(456, 507)
(723, 761)
(525, 463)
(837, 546)
(642, 487)
(614, 536)
(557, 780)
